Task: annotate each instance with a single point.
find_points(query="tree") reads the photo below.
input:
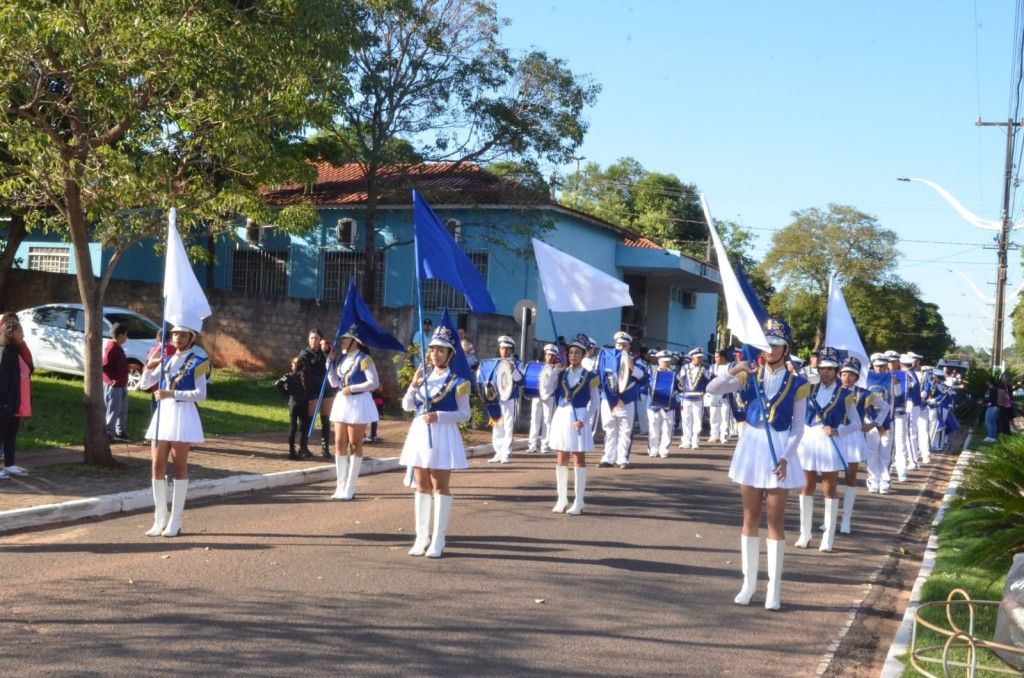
(659, 206)
(433, 74)
(840, 241)
(113, 111)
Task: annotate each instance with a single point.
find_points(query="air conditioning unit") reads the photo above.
(252, 232)
(454, 227)
(346, 231)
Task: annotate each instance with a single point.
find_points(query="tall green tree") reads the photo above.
(839, 241)
(111, 112)
(434, 74)
(660, 206)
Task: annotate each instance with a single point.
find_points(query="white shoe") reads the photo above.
(664, 455)
(341, 469)
(495, 459)
(505, 460)
(159, 508)
(776, 555)
(355, 463)
(442, 513)
(750, 548)
(806, 517)
(831, 508)
(849, 497)
(13, 470)
(562, 483)
(695, 445)
(173, 528)
(3, 474)
(422, 503)
(580, 489)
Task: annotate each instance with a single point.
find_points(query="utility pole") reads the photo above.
(1003, 241)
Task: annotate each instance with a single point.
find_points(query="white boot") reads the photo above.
(580, 490)
(831, 509)
(849, 496)
(562, 483)
(422, 502)
(410, 477)
(442, 512)
(750, 548)
(160, 507)
(806, 517)
(177, 507)
(355, 463)
(341, 468)
(776, 554)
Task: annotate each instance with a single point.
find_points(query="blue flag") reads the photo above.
(355, 312)
(439, 257)
(750, 352)
(459, 364)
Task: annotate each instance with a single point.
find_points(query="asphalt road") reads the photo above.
(279, 582)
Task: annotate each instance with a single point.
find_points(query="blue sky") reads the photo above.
(773, 107)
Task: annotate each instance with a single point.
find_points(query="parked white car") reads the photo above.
(55, 333)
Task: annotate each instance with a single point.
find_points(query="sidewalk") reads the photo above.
(57, 476)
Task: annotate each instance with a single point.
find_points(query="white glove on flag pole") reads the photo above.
(840, 332)
(571, 285)
(742, 321)
(185, 302)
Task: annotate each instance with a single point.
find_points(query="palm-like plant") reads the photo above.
(990, 506)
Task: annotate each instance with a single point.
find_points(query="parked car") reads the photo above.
(55, 333)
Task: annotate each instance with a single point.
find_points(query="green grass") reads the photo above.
(236, 403)
(955, 569)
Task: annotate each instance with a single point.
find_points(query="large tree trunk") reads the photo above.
(97, 446)
(15, 235)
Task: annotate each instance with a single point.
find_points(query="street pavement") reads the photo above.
(276, 582)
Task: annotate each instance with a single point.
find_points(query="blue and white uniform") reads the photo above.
(693, 382)
(358, 372)
(185, 373)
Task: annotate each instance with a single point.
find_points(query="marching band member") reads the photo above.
(920, 417)
(501, 433)
(831, 415)
(693, 381)
(434, 457)
(576, 396)
(810, 370)
(590, 363)
(904, 458)
(175, 425)
(873, 411)
(661, 417)
(542, 408)
(721, 413)
(355, 378)
(617, 417)
(878, 442)
(649, 363)
(913, 407)
(940, 399)
(775, 395)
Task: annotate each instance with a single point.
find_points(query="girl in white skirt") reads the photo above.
(576, 400)
(872, 411)
(175, 425)
(773, 394)
(355, 378)
(831, 418)
(434, 456)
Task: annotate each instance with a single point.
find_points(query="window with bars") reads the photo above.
(340, 267)
(260, 273)
(49, 259)
(438, 294)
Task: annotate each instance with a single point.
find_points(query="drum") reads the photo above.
(663, 385)
(486, 379)
(615, 368)
(532, 379)
(505, 381)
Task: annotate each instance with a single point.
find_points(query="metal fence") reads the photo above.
(260, 273)
(438, 294)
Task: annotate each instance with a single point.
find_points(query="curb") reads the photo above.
(893, 667)
(137, 500)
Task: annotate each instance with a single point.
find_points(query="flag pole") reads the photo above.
(572, 408)
(323, 384)
(172, 223)
(423, 340)
(835, 446)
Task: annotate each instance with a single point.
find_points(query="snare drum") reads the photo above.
(532, 379)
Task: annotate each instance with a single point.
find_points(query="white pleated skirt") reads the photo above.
(563, 436)
(357, 408)
(446, 454)
(854, 447)
(752, 460)
(817, 453)
(178, 421)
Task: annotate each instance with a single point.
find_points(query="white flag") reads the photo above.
(741, 321)
(185, 303)
(840, 332)
(571, 285)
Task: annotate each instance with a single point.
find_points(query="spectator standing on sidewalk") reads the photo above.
(115, 383)
(295, 385)
(315, 359)
(991, 403)
(1005, 396)
(11, 382)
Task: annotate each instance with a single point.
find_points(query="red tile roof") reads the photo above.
(439, 183)
(642, 242)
